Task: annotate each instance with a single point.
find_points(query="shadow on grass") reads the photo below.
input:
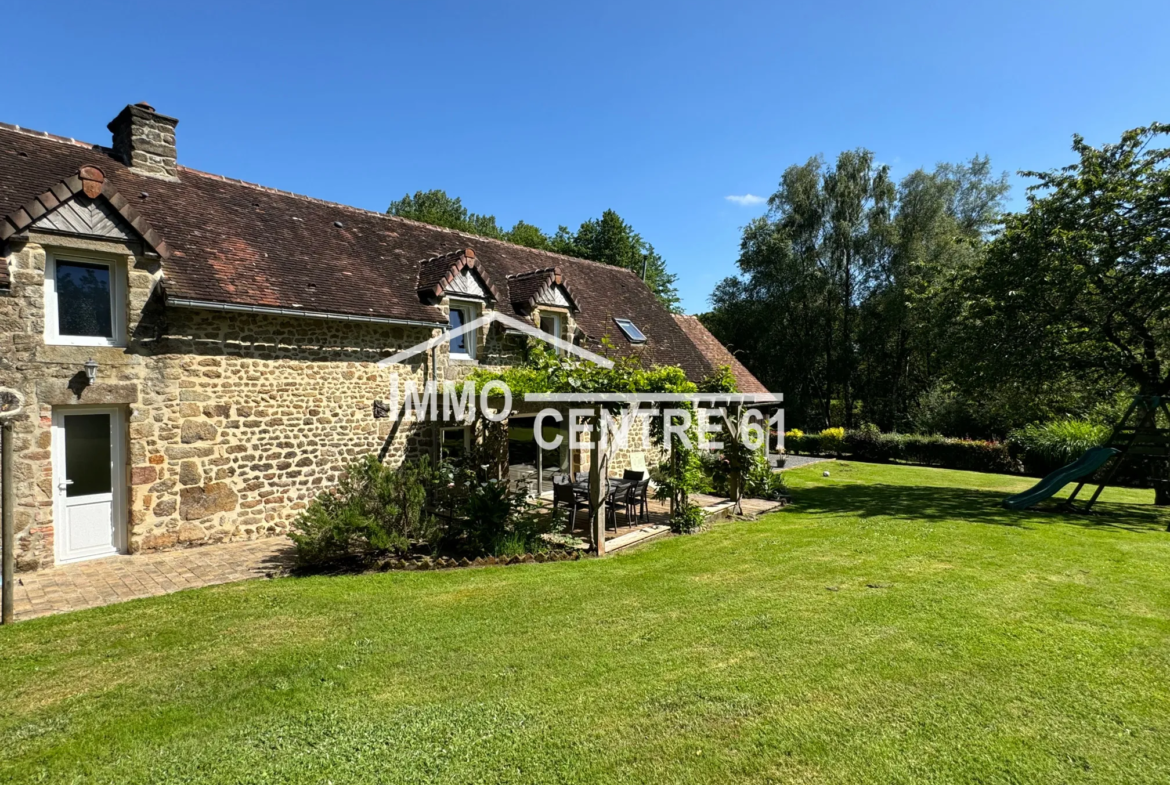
(932, 503)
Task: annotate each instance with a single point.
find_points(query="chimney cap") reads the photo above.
(141, 110)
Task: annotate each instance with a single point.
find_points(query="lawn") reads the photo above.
(893, 625)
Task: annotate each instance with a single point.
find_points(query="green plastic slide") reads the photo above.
(1082, 467)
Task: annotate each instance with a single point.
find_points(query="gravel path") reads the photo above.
(796, 461)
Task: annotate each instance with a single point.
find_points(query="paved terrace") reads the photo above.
(89, 584)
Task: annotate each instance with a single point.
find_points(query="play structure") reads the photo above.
(1136, 438)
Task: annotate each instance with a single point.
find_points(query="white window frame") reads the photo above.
(117, 300)
(466, 429)
(556, 319)
(557, 324)
(471, 338)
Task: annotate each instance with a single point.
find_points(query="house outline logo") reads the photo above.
(448, 335)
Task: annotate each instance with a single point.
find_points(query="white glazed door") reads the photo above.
(86, 476)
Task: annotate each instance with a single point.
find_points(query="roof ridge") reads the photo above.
(269, 189)
(390, 217)
(51, 137)
(538, 271)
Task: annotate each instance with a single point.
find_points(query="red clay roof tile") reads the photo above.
(235, 242)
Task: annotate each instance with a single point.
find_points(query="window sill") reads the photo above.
(462, 359)
(65, 340)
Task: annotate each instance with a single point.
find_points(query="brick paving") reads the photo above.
(89, 584)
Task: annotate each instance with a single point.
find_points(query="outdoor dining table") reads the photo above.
(583, 486)
(614, 485)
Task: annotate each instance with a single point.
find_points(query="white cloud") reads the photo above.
(747, 200)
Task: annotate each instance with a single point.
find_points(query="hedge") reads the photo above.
(877, 447)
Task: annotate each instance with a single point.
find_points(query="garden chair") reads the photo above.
(639, 500)
(618, 496)
(633, 474)
(563, 493)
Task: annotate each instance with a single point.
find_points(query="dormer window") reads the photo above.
(630, 330)
(551, 324)
(84, 301)
(462, 347)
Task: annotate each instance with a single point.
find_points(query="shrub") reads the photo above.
(687, 519)
(966, 454)
(801, 443)
(869, 444)
(373, 510)
(764, 483)
(1050, 445)
(496, 520)
(832, 441)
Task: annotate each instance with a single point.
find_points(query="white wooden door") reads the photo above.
(88, 475)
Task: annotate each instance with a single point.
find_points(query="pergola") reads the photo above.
(575, 405)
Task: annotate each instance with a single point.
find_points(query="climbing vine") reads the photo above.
(681, 474)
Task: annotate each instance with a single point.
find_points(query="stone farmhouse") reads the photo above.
(198, 356)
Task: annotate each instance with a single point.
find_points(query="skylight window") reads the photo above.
(631, 331)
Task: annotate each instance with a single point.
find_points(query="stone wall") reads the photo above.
(235, 421)
(264, 412)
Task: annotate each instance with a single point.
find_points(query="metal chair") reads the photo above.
(563, 493)
(638, 500)
(632, 474)
(618, 496)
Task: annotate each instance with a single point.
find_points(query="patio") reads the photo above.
(657, 522)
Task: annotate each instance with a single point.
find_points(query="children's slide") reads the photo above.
(1082, 467)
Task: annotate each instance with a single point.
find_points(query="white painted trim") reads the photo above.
(119, 478)
(118, 315)
(466, 436)
(470, 310)
(558, 324)
(556, 317)
(524, 328)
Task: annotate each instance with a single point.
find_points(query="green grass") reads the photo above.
(894, 625)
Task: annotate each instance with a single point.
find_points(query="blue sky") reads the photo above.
(552, 112)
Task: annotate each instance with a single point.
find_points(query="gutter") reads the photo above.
(211, 305)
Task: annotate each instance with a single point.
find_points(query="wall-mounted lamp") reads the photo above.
(91, 367)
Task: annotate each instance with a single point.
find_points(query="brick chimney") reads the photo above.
(145, 141)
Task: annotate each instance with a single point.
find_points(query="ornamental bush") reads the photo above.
(376, 511)
(832, 441)
(869, 444)
(1048, 446)
(373, 511)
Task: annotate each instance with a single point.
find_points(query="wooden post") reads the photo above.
(539, 463)
(7, 536)
(436, 428)
(734, 431)
(596, 493)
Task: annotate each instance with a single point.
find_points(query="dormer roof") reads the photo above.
(83, 204)
(546, 286)
(457, 273)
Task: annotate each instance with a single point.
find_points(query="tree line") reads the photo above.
(920, 305)
(607, 239)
